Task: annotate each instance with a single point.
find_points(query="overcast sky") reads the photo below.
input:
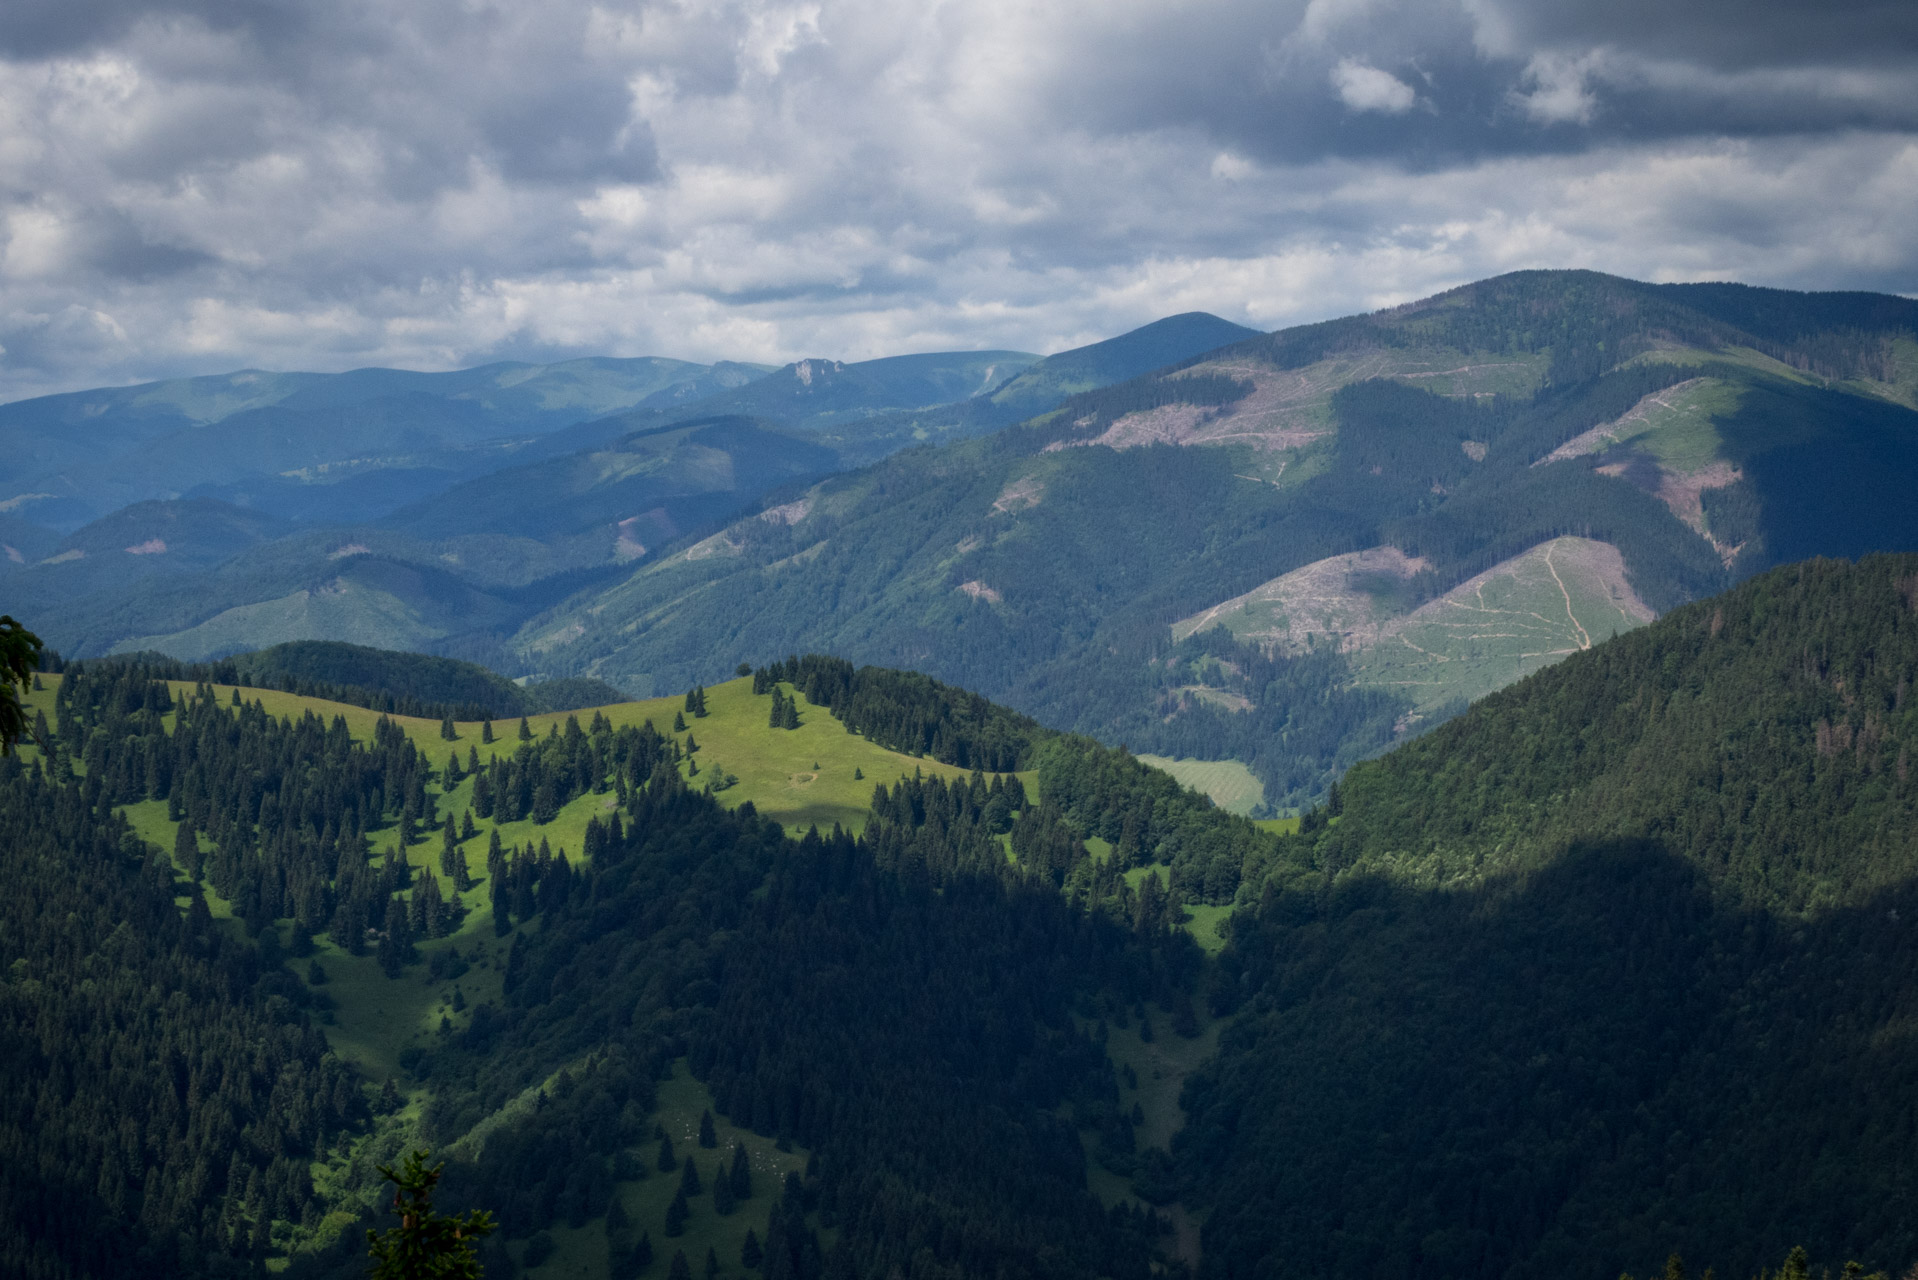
(192, 186)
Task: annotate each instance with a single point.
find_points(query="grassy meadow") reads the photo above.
(1231, 785)
(801, 777)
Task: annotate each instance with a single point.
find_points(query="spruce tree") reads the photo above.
(396, 943)
(667, 1160)
(689, 1184)
(707, 1138)
(699, 701)
(676, 1214)
(679, 722)
(712, 1263)
(741, 1176)
(750, 1254)
(486, 730)
(525, 730)
(186, 851)
(545, 802)
(502, 905)
(723, 1201)
(447, 731)
(425, 1243)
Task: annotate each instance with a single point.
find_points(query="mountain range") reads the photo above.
(1259, 558)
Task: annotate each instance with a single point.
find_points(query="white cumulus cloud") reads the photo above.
(1364, 88)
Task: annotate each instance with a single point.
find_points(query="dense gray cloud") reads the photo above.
(192, 185)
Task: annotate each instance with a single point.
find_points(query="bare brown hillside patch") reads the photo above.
(1026, 491)
(718, 545)
(1290, 408)
(980, 591)
(1327, 599)
(788, 513)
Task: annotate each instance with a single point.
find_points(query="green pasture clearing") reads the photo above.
(1504, 624)
(1160, 1069)
(1278, 826)
(33, 700)
(1742, 357)
(1675, 426)
(377, 1018)
(775, 767)
(149, 821)
(582, 1254)
(1680, 432)
(1202, 922)
(1231, 785)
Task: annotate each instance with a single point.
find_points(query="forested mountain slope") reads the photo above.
(1357, 511)
(1619, 962)
(474, 500)
(1039, 388)
(199, 578)
(1613, 965)
(895, 1025)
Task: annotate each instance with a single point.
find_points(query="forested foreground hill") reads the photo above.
(1622, 960)
(1297, 549)
(1616, 964)
(254, 953)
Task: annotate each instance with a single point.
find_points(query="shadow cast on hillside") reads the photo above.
(1565, 1074)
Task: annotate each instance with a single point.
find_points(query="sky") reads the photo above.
(195, 186)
